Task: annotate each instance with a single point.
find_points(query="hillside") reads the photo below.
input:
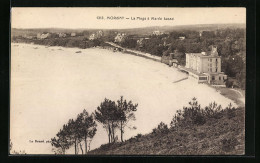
(138, 31)
(218, 136)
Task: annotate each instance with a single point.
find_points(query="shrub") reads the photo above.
(161, 128)
(213, 111)
(195, 115)
(231, 111)
(229, 83)
(138, 136)
(229, 144)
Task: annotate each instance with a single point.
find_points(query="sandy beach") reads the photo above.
(50, 85)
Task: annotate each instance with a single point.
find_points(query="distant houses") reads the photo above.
(120, 37)
(140, 42)
(182, 38)
(28, 36)
(157, 33)
(73, 34)
(62, 35)
(170, 60)
(96, 35)
(92, 36)
(43, 36)
(205, 67)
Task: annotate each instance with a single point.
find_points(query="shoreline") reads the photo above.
(70, 81)
(224, 91)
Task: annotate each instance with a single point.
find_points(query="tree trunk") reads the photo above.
(75, 147)
(81, 148)
(89, 145)
(113, 133)
(109, 133)
(121, 128)
(86, 145)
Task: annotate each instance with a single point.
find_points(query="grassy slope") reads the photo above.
(217, 136)
(233, 95)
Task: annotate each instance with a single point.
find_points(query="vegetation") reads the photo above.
(115, 116)
(229, 39)
(193, 131)
(15, 152)
(110, 114)
(231, 45)
(74, 132)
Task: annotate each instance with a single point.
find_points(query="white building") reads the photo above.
(205, 67)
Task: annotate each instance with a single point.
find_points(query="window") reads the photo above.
(216, 70)
(216, 60)
(219, 78)
(210, 69)
(210, 60)
(223, 78)
(202, 78)
(213, 77)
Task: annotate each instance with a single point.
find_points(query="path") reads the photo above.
(180, 80)
(238, 92)
(147, 55)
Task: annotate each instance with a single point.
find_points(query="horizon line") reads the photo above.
(128, 27)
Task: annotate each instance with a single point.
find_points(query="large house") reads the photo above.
(205, 67)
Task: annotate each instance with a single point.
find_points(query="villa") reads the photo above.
(205, 67)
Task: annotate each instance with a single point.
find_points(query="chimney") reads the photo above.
(214, 51)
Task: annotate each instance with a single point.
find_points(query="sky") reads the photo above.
(73, 18)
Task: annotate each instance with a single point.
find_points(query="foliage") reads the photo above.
(16, 152)
(229, 144)
(223, 135)
(74, 132)
(126, 110)
(161, 128)
(107, 114)
(195, 115)
(115, 116)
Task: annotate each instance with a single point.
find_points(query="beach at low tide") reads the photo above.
(50, 85)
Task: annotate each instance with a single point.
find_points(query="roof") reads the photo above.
(207, 55)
